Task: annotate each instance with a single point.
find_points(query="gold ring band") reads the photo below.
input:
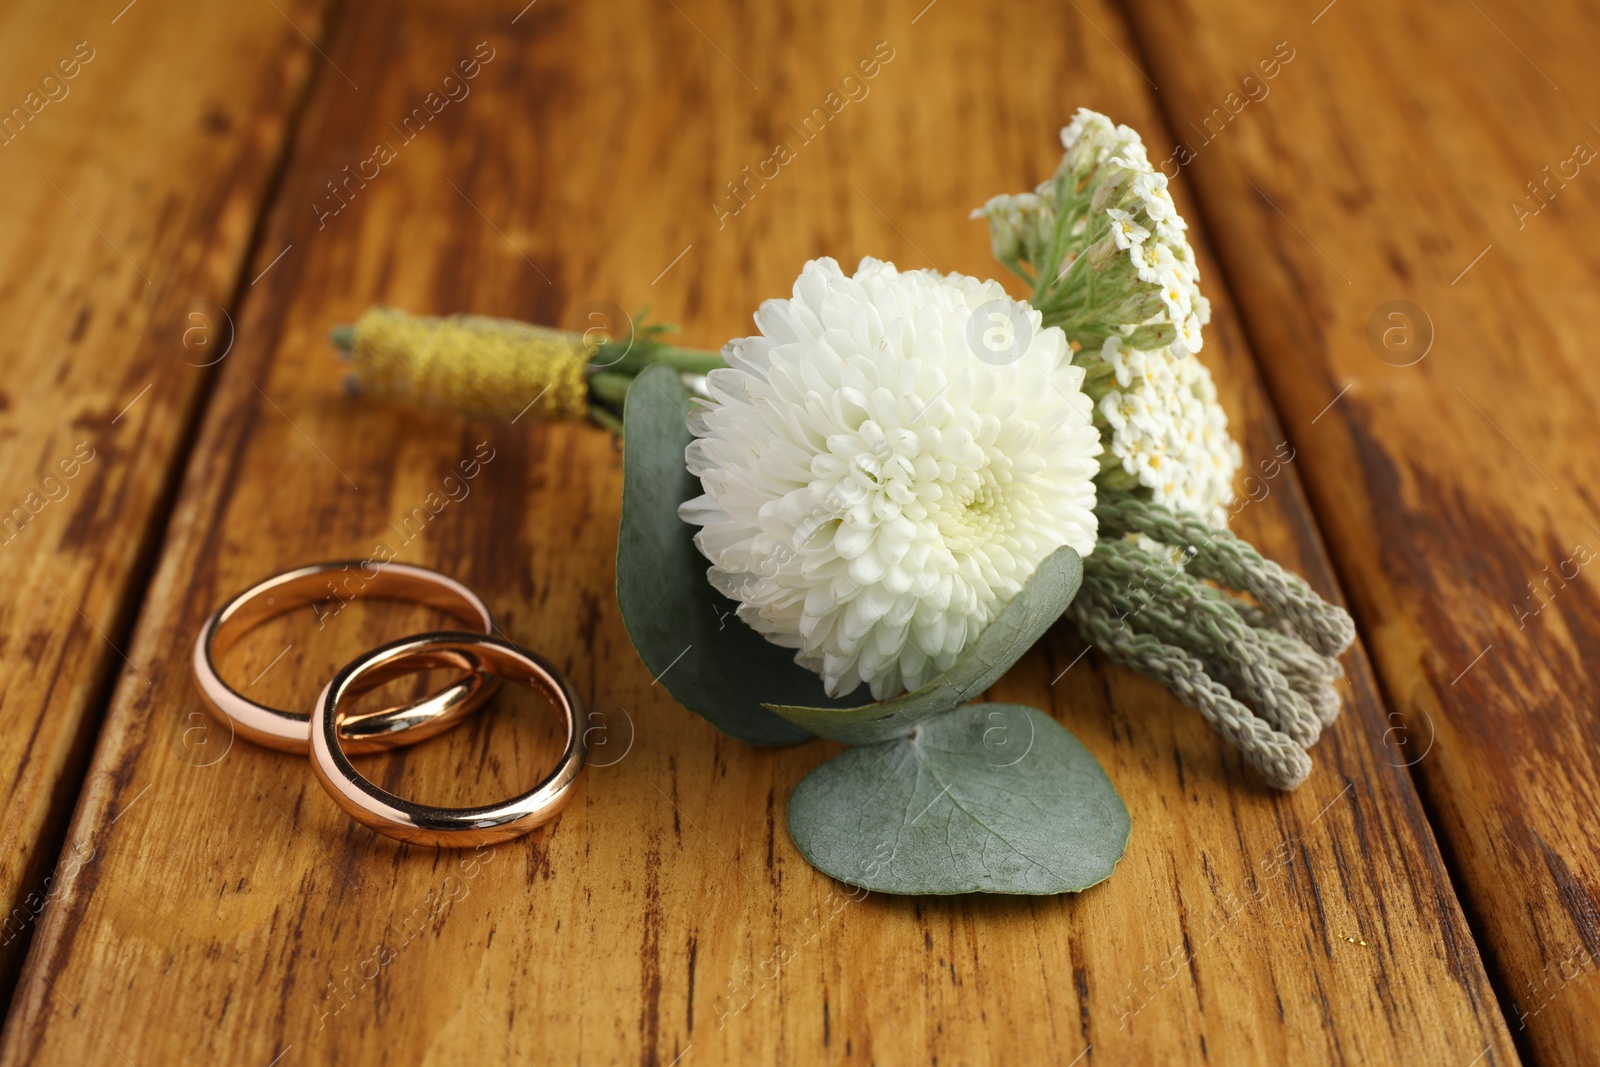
(291, 731)
(424, 824)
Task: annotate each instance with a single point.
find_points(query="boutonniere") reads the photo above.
(853, 521)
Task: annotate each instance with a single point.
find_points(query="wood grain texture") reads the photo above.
(231, 910)
(1391, 161)
(135, 152)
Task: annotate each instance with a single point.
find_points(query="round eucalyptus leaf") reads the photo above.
(987, 798)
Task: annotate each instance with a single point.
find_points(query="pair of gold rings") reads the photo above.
(330, 735)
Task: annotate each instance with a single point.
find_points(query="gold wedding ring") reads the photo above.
(330, 733)
(425, 824)
(290, 731)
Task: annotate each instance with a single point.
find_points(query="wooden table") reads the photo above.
(179, 230)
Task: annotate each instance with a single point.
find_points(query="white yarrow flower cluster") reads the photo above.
(1111, 263)
(1167, 427)
(878, 485)
(1091, 139)
(1144, 220)
(1168, 430)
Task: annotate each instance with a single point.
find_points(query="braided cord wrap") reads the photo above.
(1224, 558)
(472, 364)
(1186, 613)
(1232, 634)
(1281, 762)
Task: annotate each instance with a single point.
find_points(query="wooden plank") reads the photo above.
(231, 908)
(1391, 161)
(136, 148)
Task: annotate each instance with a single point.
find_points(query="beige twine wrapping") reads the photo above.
(485, 367)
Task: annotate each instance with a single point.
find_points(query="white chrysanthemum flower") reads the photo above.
(879, 479)
(1169, 431)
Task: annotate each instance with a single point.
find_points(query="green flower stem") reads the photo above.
(1099, 377)
(606, 419)
(1016, 267)
(1112, 478)
(615, 364)
(633, 358)
(610, 388)
(688, 360)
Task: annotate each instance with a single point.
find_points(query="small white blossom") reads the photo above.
(1151, 189)
(1176, 297)
(1188, 340)
(1125, 231)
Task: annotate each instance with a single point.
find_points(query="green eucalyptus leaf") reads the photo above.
(988, 798)
(1042, 599)
(684, 630)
